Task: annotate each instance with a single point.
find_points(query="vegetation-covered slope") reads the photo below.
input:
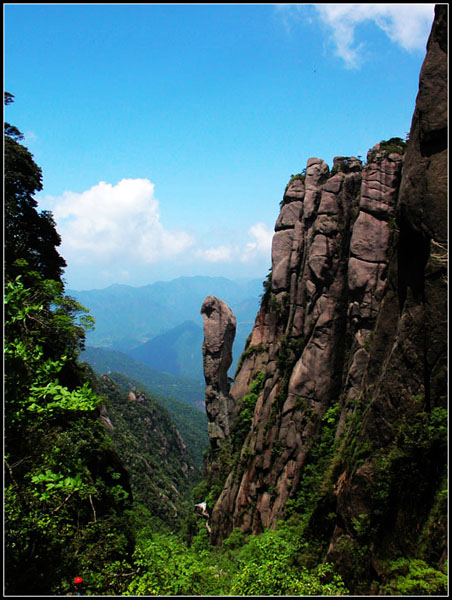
(175, 394)
(151, 449)
(104, 360)
(190, 422)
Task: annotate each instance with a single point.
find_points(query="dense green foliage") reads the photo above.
(29, 235)
(245, 566)
(66, 493)
(151, 449)
(413, 577)
(65, 490)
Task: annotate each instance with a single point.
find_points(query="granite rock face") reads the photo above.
(329, 261)
(353, 321)
(219, 332)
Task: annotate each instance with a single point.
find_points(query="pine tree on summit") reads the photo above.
(29, 235)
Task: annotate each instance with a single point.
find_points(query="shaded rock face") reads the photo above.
(219, 332)
(353, 318)
(405, 379)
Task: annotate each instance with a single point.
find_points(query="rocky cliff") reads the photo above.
(345, 368)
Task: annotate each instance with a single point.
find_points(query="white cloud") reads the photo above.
(216, 255)
(114, 234)
(119, 223)
(258, 248)
(261, 244)
(407, 25)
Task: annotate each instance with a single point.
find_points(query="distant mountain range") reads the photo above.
(106, 361)
(178, 351)
(160, 324)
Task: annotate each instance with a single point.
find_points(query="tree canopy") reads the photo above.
(29, 235)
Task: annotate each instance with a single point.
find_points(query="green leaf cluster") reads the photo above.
(166, 567)
(64, 504)
(413, 577)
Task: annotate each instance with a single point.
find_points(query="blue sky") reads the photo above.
(167, 133)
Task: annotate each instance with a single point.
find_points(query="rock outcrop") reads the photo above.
(350, 349)
(329, 270)
(219, 332)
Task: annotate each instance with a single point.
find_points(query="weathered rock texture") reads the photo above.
(219, 332)
(352, 330)
(329, 270)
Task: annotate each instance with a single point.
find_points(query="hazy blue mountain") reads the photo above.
(178, 351)
(132, 315)
(129, 319)
(104, 361)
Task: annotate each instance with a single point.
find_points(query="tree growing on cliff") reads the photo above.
(29, 235)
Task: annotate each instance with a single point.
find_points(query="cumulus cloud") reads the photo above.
(115, 223)
(407, 25)
(260, 245)
(216, 255)
(256, 249)
(112, 233)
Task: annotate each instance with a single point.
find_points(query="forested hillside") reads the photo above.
(152, 450)
(179, 396)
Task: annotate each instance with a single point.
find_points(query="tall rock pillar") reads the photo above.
(219, 332)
